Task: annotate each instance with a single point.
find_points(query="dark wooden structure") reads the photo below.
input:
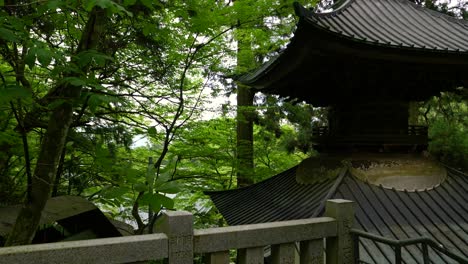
(65, 218)
(367, 60)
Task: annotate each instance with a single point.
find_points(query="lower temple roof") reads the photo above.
(440, 213)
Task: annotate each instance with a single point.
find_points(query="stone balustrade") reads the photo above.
(316, 240)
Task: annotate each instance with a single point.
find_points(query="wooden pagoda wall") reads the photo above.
(383, 118)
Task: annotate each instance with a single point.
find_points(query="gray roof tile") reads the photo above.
(397, 23)
(440, 213)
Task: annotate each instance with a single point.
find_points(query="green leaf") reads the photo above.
(165, 175)
(129, 2)
(91, 3)
(168, 187)
(56, 103)
(147, 3)
(7, 35)
(164, 201)
(140, 187)
(121, 9)
(150, 200)
(152, 132)
(109, 5)
(13, 92)
(157, 201)
(30, 58)
(148, 29)
(54, 4)
(44, 57)
(75, 81)
(103, 3)
(90, 56)
(115, 192)
(150, 173)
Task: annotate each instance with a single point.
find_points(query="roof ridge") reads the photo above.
(341, 6)
(331, 192)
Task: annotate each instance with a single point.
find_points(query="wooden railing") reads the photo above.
(412, 130)
(412, 137)
(320, 239)
(417, 130)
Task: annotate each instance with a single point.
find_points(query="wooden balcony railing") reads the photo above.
(323, 131)
(178, 242)
(413, 136)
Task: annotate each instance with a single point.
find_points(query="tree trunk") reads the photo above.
(245, 112)
(52, 145)
(245, 163)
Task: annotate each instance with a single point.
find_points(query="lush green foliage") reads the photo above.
(147, 77)
(447, 117)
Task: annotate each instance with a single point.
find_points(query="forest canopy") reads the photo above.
(126, 103)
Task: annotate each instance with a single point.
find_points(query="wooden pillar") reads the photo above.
(178, 226)
(339, 249)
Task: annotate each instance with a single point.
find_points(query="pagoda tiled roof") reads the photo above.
(393, 23)
(440, 213)
(367, 48)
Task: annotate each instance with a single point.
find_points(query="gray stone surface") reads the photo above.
(283, 253)
(178, 226)
(250, 255)
(178, 241)
(311, 252)
(105, 250)
(218, 257)
(256, 235)
(339, 249)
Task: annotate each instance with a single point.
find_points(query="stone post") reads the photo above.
(311, 252)
(250, 255)
(339, 249)
(218, 257)
(178, 226)
(283, 253)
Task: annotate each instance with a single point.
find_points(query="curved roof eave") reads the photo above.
(397, 30)
(392, 23)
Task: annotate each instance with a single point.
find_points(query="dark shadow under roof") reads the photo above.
(440, 213)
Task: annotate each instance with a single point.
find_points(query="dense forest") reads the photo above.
(131, 104)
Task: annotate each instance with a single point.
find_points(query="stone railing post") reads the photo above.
(250, 255)
(283, 253)
(178, 226)
(339, 249)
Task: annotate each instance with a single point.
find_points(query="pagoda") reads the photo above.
(367, 61)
